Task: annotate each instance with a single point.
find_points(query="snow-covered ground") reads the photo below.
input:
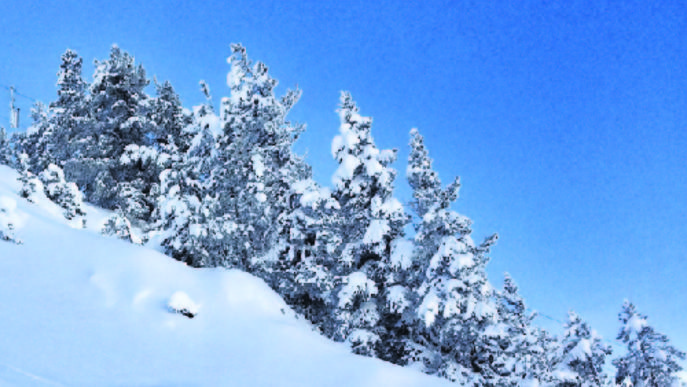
(81, 309)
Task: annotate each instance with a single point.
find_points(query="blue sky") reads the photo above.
(566, 120)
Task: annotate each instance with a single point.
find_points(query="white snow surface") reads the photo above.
(82, 309)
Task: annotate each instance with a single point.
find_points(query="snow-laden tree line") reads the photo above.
(222, 186)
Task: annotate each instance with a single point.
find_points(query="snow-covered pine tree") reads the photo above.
(457, 314)
(307, 263)
(186, 208)
(371, 221)
(5, 149)
(29, 183)
(363, 185)
(163, 145)
(422, 178)
(582, 355)
(117, 107)
(38, 143)
(398, 312)
(254, 165)
(524, 357)
(650, 361)
(70, 114)
(167, 115)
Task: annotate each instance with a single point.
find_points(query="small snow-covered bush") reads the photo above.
(29, 183)
(62, 193)
(363, 342)
(181, 303)
(119, 226)
(8, 220)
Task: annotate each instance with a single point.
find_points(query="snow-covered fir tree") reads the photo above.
(254, 165)
(38, 144)
(650, 361)
(5, 148)
(245, 154)
(117, 107)
(371, 222)
(186, 208)
(524, 354)
(582, 355)
(167, 115)
(70, 113)
(309, 261)
(457, 313)
(422, 178)
(163, 143)
(30, 185)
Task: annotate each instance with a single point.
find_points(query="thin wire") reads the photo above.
(17, 93)
(562, 323)
(20, 94)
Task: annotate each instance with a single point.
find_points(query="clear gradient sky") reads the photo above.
(566, 120)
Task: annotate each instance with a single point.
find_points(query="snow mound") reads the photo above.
(82, 309)
(181, 303)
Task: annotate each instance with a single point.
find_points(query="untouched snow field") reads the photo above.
(82, 309)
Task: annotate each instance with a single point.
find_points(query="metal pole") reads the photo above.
(14, 113)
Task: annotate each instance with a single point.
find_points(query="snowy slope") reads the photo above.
(81, 309)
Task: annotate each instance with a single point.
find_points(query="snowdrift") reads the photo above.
(82, 309)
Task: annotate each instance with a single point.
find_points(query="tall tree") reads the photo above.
(5, 149)
(117, 119)
(583, 353)
(255, 165)
(30, 185)
(38, 143)
(371, 220)
(524, 355)
(650, 361)
(169, 121)
(309, 259)
(457, 313)
(186, 208)
(70, 110)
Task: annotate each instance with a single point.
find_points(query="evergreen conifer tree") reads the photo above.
(38, 144)
(583, 353)
(254, 165)
(5, 149)
(29, 183)
(117, 108)
(167, 115)
(371, 221)
(650, 360)
(70, 111)
(457, 314)
(309, 259)
(523, 357)
(186, 208)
